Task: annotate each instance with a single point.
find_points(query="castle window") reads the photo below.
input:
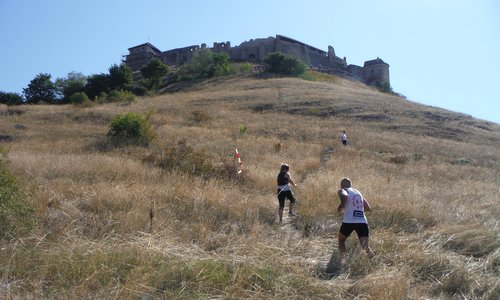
(251, 56)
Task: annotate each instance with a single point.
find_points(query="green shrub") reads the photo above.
(120, 77)
(313, 75)
(307, 76)
(243, 129)
(139, 90)
(399, 159)
(278, 147)
(221, 65)
(242, 68)
(200, 116)
(79, 98)
(131, 129)
(154, 73)
(205, 64)
(120, 96)
(11, 98)
(284, 64)
(73, 83)
(16, 213)
(183, 158)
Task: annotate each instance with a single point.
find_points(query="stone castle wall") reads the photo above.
(373, 72)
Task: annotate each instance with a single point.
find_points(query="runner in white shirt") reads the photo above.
(354, 206)
(343, 138)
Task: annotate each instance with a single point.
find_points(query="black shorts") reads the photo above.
(282, 195)
(344, 142)
(360, 228)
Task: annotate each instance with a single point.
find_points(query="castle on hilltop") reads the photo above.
(374, 71)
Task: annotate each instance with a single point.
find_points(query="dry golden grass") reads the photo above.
(111, 225)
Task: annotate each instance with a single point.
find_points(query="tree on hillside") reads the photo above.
(11, 98)
(120, 77)
(97, 84)
(154, 72)
(73, 83)
(284, 64)
(40, 89)
(221, 64)
(205, 64)
(199, 66)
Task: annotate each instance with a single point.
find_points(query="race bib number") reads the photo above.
(358, 214)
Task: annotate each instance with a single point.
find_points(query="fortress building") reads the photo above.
(374, 71)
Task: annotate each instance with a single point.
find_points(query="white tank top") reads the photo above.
(354, 209)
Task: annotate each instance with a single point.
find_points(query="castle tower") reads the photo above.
(376, 72)
(331, 54)
(141, 55)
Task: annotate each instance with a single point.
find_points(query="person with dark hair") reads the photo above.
(284, 191)
(354, 206)
(343, 138)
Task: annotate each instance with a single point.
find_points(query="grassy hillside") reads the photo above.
(174, 220)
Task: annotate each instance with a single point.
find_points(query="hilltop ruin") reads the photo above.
(374, 71)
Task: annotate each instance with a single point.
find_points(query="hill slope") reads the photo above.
(174, 220)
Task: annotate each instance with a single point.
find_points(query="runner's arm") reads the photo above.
(290, 179)
(367, 205)
(343, 198)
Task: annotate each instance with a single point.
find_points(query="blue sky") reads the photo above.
(444, 53)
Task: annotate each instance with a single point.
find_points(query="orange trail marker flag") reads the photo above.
(238, 156)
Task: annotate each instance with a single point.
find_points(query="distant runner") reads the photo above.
(343, 138)
(354, 206)
(284, 191)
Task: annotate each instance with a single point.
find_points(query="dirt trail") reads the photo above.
(323, 159)
(318, 252)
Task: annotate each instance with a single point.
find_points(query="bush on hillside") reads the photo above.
(205, 64)
(139, 90)
(11, 98)
(154, 73)
(186, 159)
(118, 96)
(198, 116)
(221, 65)
(131, 129)
(96, 85)
(242, 68)
(79, 98)
(66, 87)
(284, 64)
(16, 213)
(183, 158)
(120, 77)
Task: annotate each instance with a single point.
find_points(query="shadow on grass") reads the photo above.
(333, 268)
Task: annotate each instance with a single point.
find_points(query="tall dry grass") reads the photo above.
(113, 224)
